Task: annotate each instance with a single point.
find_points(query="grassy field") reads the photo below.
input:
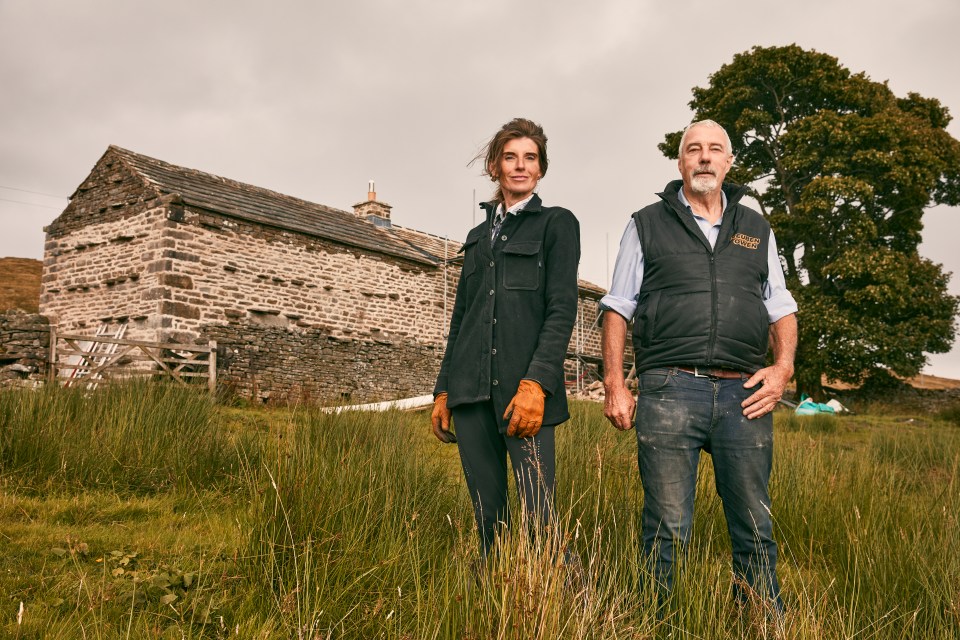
(148, 512)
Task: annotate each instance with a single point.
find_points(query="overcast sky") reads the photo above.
(313, 99)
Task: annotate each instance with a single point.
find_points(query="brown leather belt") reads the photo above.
(703, 372)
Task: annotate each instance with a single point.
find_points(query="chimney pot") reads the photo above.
(373, 210)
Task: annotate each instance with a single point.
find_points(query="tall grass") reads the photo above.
(812, 424)
(353, 524)
(358, 525)
(870, 532)
(951, 414)
(346, 550)
(138, 436)
(362, 528)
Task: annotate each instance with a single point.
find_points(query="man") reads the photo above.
(501, 379)
(698, 274)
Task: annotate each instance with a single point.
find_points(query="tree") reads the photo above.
(843, 170)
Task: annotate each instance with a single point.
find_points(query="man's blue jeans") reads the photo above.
(678, 415)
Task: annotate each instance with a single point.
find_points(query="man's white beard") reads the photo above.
(703, 183)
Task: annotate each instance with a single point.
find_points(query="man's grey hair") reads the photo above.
(706, 123)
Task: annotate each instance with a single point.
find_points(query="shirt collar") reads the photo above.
(517, 208)
(686, 203)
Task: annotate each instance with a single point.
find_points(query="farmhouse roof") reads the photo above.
(256, 204)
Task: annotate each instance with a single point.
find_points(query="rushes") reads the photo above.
(359, 525)
(869, 522)
(136, 437)
(950, 414)
(349, 523)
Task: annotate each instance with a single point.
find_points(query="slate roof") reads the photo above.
(255, 204)
(439, 248)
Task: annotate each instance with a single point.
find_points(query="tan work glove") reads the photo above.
(441, 419)
(525, 411)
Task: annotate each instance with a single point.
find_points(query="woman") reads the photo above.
(501, 379)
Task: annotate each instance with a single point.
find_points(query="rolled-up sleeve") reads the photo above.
(776, 298)
(627, 276)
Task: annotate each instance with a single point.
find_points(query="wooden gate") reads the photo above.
(90, 360)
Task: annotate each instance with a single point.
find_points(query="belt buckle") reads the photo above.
(697, 374)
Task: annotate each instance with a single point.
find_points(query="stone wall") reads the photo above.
(220, 270)
(299, 318)
(270, 297)
(281, 365)
(586, 333)
(24, 345)
(103, 253)
(107, 273)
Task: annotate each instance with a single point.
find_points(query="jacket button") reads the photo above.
(491, 263)
(491, 291)
(493, 351)
(496, 382)
(503, 237)
(494, 321)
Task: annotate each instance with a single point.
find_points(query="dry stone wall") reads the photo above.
(24, 345)
(586, 334)
(283, 365)
(296, 317)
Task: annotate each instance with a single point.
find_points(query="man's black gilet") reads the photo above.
(700, 306)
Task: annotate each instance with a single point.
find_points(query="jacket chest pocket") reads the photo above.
(521, 265)
(469, 252)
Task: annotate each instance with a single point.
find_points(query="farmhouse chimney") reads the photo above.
(373, 210)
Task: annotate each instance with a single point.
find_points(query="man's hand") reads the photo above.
(775, 379)
(619, 405)
(783, 340)
(525, 411)
(441, 419)
(618, 401)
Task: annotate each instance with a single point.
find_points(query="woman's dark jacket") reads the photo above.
(515, 309)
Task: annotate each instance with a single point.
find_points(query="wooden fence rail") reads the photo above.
(78, 359)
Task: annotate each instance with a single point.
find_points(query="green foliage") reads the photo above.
(843, 169)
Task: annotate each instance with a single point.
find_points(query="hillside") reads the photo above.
(936, 383)
(21, 284)
(923, 381)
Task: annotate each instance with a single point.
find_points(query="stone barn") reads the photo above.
(305, 301)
